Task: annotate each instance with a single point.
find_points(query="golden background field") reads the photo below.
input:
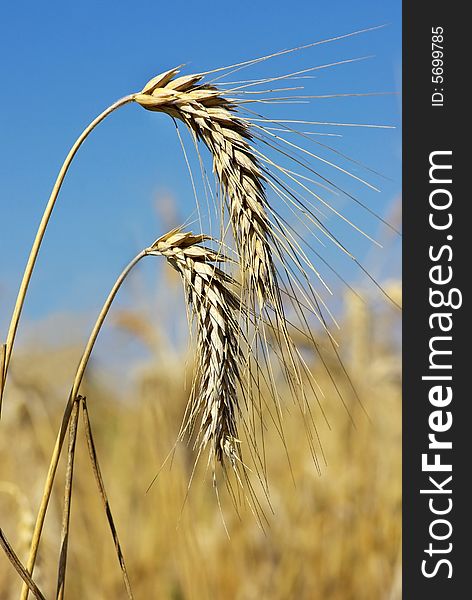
(335, 536)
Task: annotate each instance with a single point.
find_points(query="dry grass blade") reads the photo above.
(214, 307)
(103, 494)
(15, 561)
(47, 493)
(61, 576)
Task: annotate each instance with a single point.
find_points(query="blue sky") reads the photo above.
(63, 62)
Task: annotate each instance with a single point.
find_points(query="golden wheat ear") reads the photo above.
(210, 117)
(214, 307)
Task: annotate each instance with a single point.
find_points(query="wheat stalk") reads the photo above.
(6, 352)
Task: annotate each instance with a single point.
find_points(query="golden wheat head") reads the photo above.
(212, 118)
(213, 306)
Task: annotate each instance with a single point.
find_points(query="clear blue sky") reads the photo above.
(63, 62)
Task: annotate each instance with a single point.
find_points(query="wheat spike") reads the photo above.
(212, 118)
(213, 305)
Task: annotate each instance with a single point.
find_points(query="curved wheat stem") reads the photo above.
(40, 234)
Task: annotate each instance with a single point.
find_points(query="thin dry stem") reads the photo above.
(3, 348)
(17, 564)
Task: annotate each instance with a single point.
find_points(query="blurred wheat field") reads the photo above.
(335, 536)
